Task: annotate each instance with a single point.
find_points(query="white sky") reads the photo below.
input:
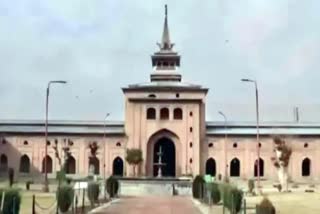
(100, 46)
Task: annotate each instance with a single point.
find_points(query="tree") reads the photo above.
(134, 158)
(93, 157)
(66, 151)
(281, 160)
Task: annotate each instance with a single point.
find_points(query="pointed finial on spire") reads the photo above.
(166, 10)
(165, 42)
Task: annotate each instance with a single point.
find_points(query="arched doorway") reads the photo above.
(117, 167)
(235, 167)
(95, 163)
(306, 163)
(261, 168)
(49, 164)
(164, 147)
(71, 165)
(24, 164)
(3, 163)
(211, 167)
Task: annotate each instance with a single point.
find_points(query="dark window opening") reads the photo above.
(190, 144)
(305, 145)
(210, 145)
(190, 161)
(117, 167)
(151, 114)
(47, 160)
(235, 145)
(24, 164)
(177, 114)
(48, 142)
(177, 95)
(25, 142)
(152, 95)
(191, 129)
(164, 114)
(259, 145)
(190, 113)
(118, 144)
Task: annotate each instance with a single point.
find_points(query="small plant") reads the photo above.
(265, 207)
(198, 187)
(11, 176)
(112, 185)
(65, 197)
(93, 192)
(28, 185)
(250, 185)
(215, 193)
(12, 200)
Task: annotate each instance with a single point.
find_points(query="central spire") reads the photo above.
(165, 42)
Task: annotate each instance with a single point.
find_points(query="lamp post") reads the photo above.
(46, 185)
(225, 143)
(104, 152)
(257, 116)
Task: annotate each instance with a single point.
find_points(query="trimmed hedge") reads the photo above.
(250, 185)
(112, 186)
(12, 200)
(215, 193)
(232, 197)
(93, 192)
(198, 187)
(65, 196)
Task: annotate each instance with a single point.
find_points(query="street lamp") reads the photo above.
(225, 143)
(104, 151)
(257, 116)
(46, 184)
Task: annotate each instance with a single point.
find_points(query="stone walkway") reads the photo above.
(152, 205)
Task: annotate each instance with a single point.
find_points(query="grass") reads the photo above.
(293, 203)
(44, 199)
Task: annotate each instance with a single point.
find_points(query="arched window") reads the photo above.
(151, 114)
(118, 144)
(261, 168)
(47, 160)
(235, 167)
(152, 95)
(164, 114)
(235, 145)
(94, 165)
(306, 167)
(3, 163)
(24, 164)
(117, 167)
(211, 167)
(177, 114)
(25, 142)
(210, 145)
(71, 165)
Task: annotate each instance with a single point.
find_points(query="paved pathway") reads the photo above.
(152, 205)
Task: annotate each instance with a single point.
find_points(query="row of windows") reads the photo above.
(235, 167)
(235, 145)
(24, 166)
(70, 142)
(164, 114)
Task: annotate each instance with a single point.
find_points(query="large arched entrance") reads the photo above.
(261, 168)
(211, 167)
(71, 165)
(235, 167)
(164, 152)
(171, 154)
(117, 167)
(306, 167)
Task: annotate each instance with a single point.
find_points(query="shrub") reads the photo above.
(198, 187)
(93, 192)
(215, 193)
(265, 207)
(11, 176)
(12, 200)
(112, 185)
(65, 197)
(232, 198)
(250, 185)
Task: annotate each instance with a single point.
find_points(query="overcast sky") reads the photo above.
(99, 46)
